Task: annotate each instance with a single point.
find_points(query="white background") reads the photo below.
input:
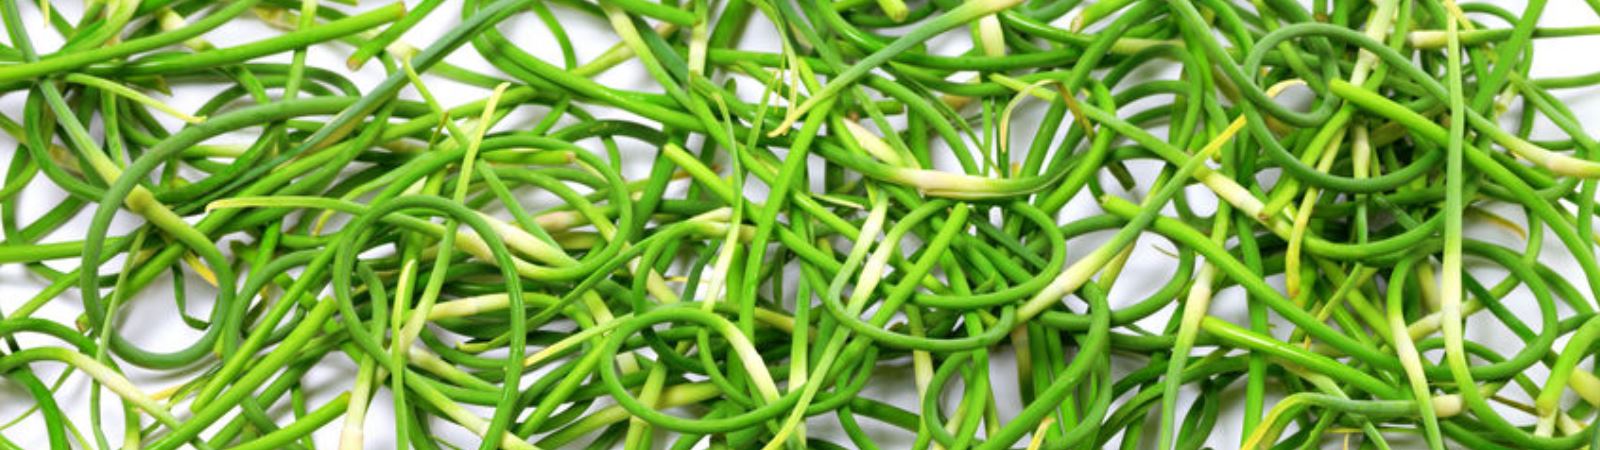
(152, 321)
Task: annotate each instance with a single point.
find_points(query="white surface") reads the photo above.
(152, 321)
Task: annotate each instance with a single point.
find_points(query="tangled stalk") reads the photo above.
(885, 210)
